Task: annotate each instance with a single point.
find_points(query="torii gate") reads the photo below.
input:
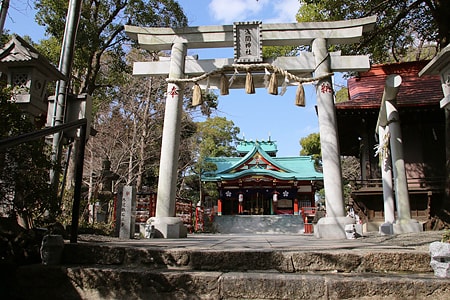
(247, 38)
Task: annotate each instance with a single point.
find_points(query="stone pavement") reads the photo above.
(303, 242)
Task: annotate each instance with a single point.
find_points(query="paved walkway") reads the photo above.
(242, 242)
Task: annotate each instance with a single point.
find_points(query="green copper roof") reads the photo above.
(258, 162)
(247, 146)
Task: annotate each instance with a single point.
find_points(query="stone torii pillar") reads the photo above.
(389, 117)
(333, 225)
(165, 221)
(340, 32)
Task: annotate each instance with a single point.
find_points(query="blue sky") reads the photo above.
(258, 115)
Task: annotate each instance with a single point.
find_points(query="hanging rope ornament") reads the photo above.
(197, 95)
(233, 77)
(224, 87)
(249, 85)
(266, 78)
(284, 85)
(273, 84)
(300, 96)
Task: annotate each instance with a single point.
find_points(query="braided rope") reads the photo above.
(247, 68)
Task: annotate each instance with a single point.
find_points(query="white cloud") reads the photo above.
(268, 11)
(284, 11)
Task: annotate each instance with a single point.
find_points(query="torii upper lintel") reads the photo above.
(221, 36)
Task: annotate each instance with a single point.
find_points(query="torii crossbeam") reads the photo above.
(317, 64)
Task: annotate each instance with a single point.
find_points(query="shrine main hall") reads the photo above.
(257, 188)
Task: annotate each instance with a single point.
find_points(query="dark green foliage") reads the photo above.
(24, 169)
(403, 31)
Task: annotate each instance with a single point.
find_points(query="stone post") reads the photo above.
(165, 220)
(333, 225)
(404, 223)
(386, 175)
(127, 213)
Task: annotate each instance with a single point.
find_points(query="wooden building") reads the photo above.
(423, 133)
(257, 182)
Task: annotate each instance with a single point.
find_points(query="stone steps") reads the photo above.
(88, 282)
(154, 270)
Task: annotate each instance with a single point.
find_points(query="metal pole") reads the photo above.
(78, 183)
(65, 67)
(3, 13)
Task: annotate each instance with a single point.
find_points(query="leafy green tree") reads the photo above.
(311, 146)
(215, 137)
(342, 95)
(100, 63)
(403, 27)
(350, 165)
(101, 33)
(24, 188)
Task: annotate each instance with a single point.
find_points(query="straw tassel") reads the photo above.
(197, 95)
(249, 86)
(300, 96)
(273, 84)
(224, 85)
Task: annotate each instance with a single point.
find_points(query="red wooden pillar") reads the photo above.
(295, 207)
(219, 207)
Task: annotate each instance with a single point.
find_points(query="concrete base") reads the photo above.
(407, 226)
(168, 227)
(332, 227)
(258, 224)
(386, 229)
(373, 226)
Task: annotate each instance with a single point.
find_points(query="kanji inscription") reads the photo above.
(247, 42)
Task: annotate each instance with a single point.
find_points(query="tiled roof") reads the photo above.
(366, 90)
(18, 53)
(246, 146)
(283, 168)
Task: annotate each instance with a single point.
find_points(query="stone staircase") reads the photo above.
(139, 271)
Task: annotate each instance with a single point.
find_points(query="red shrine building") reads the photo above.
(258, 183)
(423, 134)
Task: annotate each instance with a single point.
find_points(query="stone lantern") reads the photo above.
(27, 72)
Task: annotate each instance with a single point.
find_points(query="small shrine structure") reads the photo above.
(249, 69)
(410, 140)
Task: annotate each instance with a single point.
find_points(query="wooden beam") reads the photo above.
(293, 34)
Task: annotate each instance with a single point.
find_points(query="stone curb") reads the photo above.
(281, 260)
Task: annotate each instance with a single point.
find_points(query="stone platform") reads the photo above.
(259, 224)
(239, 267)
